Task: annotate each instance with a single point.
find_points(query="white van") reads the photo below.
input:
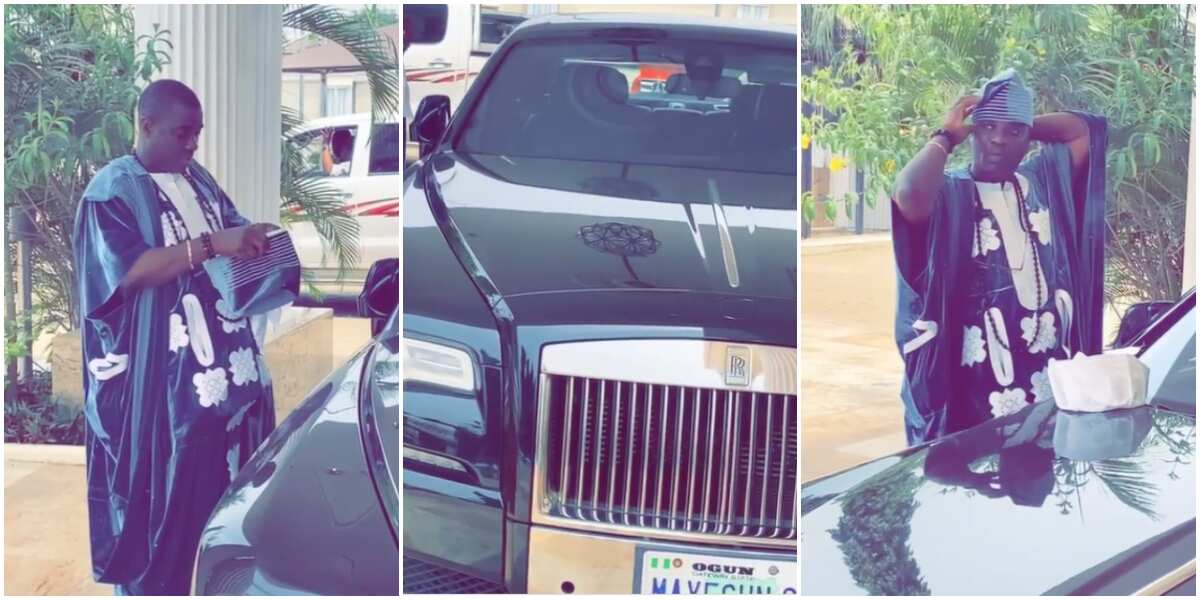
(367, 177)
(449, 66)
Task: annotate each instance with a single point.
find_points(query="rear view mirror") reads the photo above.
(431, 121)
(425, 23)
(381, 293)
(1137, 318)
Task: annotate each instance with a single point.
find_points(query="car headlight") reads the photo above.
(438, 365)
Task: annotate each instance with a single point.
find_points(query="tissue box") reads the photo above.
(1099, 383)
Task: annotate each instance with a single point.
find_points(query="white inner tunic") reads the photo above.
(1028, 279)
(180, 193)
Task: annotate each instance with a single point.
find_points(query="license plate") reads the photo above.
(665, 572)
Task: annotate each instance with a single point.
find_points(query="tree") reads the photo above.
(890, 72)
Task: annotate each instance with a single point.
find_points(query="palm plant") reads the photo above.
(357, 33)
(306, 198)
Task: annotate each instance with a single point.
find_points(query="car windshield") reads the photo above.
(1172, 362)
(682, 103)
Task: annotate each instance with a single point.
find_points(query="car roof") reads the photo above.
(1046, 499)
(584, 23)
(336, 120)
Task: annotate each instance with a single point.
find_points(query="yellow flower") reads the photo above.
(1041, 52)
(837, 164)
(805, 141)
(889, 166)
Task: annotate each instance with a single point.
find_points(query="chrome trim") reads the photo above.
(629, 450)
(708, 461)
(762, 506)
(750, 463)
(598, 457)
(782, 465)
(692, 460)
(690, 363)
(562, 478)
(583, 422)
(612, 455)
(1167, 582)
(576, 360)
(727, 254)
(678, 455)
(646, 456)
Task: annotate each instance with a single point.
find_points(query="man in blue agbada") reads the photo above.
(177, 396)
(1001, 264)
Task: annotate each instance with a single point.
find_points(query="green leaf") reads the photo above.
(808, 208)
(830, 209)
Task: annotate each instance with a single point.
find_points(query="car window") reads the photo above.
(327, 152)
(1172, 362)
(494, 27)
(385, 149)
(681, 103)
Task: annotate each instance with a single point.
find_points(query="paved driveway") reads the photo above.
(849, 367)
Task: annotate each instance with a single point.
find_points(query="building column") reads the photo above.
(231, 56)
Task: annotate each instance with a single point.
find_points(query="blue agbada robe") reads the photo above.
(171, 412)
(934, 267)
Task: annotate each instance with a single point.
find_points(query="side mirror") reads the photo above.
(381, 293)
(431, 122)
(425, 23)
(1137, 318)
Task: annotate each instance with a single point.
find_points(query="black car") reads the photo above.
(600, 318)
(316, 508)
(1043, 501)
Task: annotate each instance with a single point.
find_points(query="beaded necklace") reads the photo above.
(1027, 227)
(178, 226)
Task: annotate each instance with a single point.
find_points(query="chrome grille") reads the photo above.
(671, 457)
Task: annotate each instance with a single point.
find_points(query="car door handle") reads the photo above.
(439, 62)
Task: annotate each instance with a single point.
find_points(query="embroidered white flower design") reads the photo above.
(263, 374)
(1046, 334)
(109, 366)
(1039, 382)
(243, 366)
(1040, 221)
(168, 232)
(179, 334)
(1007, 402)
(232, 326)
(212, 386)
(973, 346)
(991, 237)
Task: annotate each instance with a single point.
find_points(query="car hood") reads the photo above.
(1039, 501)
(546, 225)
(303, 516)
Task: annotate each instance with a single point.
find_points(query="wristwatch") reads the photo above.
(945, 134)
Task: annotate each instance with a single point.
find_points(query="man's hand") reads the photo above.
(956, 119)
(247, 241)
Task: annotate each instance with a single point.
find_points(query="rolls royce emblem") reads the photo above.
(737, 365)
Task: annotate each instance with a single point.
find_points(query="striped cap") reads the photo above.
(1005, 98)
